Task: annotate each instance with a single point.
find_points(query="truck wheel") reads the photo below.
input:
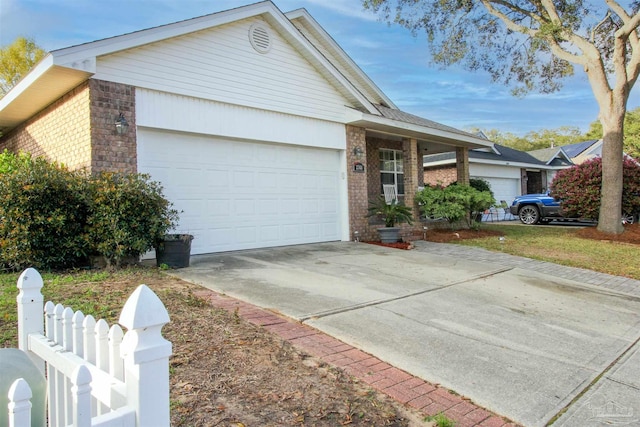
(529, 214)
(627, 218)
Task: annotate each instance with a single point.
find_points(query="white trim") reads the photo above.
(494, 162)
(404, 129)
(161, 110)
(42, 67)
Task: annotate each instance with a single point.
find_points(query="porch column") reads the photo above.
(411, 173)
(462, 165)
(357, 182)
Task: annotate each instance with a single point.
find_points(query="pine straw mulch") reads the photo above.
(631, 234)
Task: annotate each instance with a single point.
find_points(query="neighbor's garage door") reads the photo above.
(504, 188)
(242, 195)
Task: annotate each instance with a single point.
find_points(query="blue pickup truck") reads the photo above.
(542, 208)
(536, 208)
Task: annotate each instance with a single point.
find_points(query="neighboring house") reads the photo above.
(261, 129)
(583, 151)
(556, 158)
(509, 172)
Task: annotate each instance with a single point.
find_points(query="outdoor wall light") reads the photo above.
(358, 152)
(121, 124)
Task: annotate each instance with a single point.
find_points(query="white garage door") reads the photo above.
(504, 188)
(241, 195)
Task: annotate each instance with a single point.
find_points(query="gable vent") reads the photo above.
(260, 38)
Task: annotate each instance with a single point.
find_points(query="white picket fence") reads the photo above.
(96, 375)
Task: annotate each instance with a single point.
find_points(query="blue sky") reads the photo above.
(396, 61)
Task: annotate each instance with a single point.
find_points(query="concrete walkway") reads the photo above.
(523, 338)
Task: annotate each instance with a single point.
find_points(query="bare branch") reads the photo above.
(550, 8)
(595, 28)
(556, 48)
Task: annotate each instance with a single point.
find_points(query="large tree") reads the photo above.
(16, 60)
(533, 44)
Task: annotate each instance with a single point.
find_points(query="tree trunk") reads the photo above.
(609, 220)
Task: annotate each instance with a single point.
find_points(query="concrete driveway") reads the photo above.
(520, 343)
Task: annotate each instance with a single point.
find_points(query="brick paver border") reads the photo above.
(429, 399)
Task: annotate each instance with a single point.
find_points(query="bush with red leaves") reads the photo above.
(579, 188)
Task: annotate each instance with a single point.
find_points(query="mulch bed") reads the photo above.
(441, 236)
(631, 234)
(398, 245)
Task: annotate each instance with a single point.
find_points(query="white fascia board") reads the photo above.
(512, 164)
(494, 163)
(336, 49)
(561, 153)
(38, 71)
(438, 163)
(404, 129)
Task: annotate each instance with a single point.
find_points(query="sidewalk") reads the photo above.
(429, 399)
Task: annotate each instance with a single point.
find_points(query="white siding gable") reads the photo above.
(341, 61)
(220, 64)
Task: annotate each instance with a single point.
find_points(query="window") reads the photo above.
(392, 170)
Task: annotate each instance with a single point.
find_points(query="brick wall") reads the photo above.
(110, 151)
(443, 175)
(357, 183)
(371, 187)
(78, 129)
(61, 132)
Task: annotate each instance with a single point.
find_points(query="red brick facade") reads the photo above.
(110, 151)
(366, 187)
(78, 130)
(440, 175)
(357, 183)
(61, 132)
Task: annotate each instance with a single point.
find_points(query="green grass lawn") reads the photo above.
(84, 291)
(561, 245)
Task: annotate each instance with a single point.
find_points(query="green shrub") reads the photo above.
(128, 215)
(43, 210)
(453, 203)
(579, 188)
(52, 218)
(481, 185)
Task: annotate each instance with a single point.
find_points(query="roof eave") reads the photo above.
(68, 67)
(496, 163)
(423, 133)
(43, 85)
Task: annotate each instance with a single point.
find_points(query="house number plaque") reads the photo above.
(358, 167)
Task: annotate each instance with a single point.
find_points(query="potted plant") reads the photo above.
(391, 213)
(174, 250)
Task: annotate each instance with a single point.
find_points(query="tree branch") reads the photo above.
(556, 49)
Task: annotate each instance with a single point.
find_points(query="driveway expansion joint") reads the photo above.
(367, 304)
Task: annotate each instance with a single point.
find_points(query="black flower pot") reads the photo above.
(174, 250)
